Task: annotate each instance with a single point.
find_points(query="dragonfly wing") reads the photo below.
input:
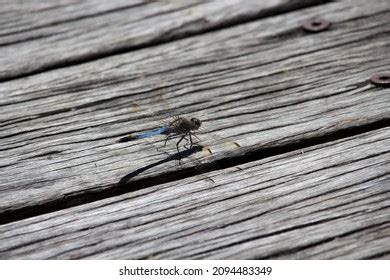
(214, 142)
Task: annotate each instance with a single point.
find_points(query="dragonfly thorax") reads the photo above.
(183, 125)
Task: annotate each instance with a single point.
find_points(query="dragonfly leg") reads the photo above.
(178, 142)
(186, 144)
(192, 143)
(190, 140)
(196, 136)
(169, 136)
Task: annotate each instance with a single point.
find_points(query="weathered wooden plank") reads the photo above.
(40, 35)
(327, 201)
(365, 243)
(264, 84)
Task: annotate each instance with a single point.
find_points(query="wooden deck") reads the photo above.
(301, 165)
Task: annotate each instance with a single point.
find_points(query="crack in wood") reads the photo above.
(78, 198)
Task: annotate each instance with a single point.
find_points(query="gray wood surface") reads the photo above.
(297, 107)
(323, 202)
(37, 35)
(262, 84)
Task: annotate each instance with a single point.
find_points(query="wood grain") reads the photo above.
(37, 36)
(263, 84)
(329, 201)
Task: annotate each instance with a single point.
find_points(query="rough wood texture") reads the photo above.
(328, 201)
(40, 35)
(251, 74)
(263, 84)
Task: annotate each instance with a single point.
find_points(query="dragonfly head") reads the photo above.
(196, 123)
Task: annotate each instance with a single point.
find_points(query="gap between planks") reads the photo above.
(116, 190)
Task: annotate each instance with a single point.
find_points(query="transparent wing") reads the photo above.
(215, 142)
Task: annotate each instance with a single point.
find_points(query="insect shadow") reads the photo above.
(177, 156)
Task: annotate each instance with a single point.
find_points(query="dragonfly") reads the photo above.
(180, 126)
(184, 128)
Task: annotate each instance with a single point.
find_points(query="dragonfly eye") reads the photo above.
(196, 122)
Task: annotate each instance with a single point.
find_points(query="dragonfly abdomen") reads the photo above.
(131, 137)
